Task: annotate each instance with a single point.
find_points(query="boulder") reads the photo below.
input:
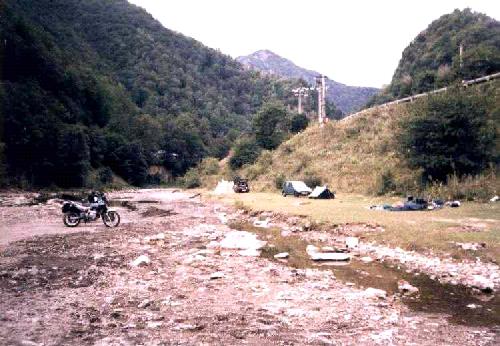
(366, 259)
(249, 253)
(375, 293)
(352, 242)
(405, 287)
(330, 256)
(216, 275)
(142, 260)
(241, 240)
(483, 283)
(261, 223)
(316, 255)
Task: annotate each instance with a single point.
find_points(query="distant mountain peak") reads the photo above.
(346, 98)
(265, 54)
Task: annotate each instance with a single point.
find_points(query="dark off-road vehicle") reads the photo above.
(241, 185)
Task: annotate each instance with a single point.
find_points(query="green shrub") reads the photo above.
(191, 179)
(246, 152)
(105, 175)
(298, 123)
(385, 183)
(471, 188)
(449, 134)
(312, 181)
(209, 166)
(279, 180)
(270, 125)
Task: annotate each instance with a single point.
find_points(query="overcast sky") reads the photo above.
(353, 42)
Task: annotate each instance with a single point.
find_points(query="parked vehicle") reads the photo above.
(97, 207)
(295, 188)
(241, 185)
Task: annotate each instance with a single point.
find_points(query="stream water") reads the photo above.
(460, 303)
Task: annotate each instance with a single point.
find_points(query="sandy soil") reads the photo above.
(63, 286)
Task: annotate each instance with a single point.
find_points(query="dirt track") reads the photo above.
(77, 287)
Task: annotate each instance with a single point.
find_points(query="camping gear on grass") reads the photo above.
(412, 204)
(322, 192)
(295, 188)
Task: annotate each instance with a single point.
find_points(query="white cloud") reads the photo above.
(353, 42)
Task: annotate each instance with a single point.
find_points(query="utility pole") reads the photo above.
(301, 92)
(321, 88)
(461, 52)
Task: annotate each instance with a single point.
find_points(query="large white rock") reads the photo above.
(315, 254)
(142, 260)
(375, 293)
(261, 223)
(352, 242)
(405, 287)
(249, 253)
(330, 256)
(482, 283)
(311, 250)
(366, 259)
(241, 240)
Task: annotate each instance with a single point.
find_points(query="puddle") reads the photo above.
(153, 211)
(433, 297)
(126, 204)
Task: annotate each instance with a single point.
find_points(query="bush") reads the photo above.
(105, 175)
(471, 188)
(209, 166)
(298, 123)
(312, 181)
(191, 179)
(449, 134)
(270, 125)
(246, 151)
(279, 180)
(385, 183)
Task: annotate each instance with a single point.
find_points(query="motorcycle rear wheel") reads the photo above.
(71, 219)
(111, 219)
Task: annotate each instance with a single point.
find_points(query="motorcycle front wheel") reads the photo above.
(71, 219)
(111, 219)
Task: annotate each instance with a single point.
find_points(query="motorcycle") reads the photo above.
(75, 212)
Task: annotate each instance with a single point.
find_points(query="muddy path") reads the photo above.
(79, 287)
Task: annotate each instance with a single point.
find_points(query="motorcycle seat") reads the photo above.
(81, 207)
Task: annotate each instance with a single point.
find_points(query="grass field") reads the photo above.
(417, 230)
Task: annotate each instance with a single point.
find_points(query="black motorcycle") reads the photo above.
(75, 212)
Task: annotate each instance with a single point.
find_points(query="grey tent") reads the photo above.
(322, 192)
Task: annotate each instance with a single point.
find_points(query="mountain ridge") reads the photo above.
(346, 98)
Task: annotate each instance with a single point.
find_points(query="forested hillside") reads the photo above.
(432, 60)
(346, 98)
(450, 138)
(95, 87)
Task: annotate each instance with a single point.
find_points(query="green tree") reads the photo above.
(298, 123)
(270, 125)
(449, 133)
(73, 157)
(246, 151)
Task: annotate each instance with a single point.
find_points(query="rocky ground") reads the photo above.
(479, 275)
(160, 279)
